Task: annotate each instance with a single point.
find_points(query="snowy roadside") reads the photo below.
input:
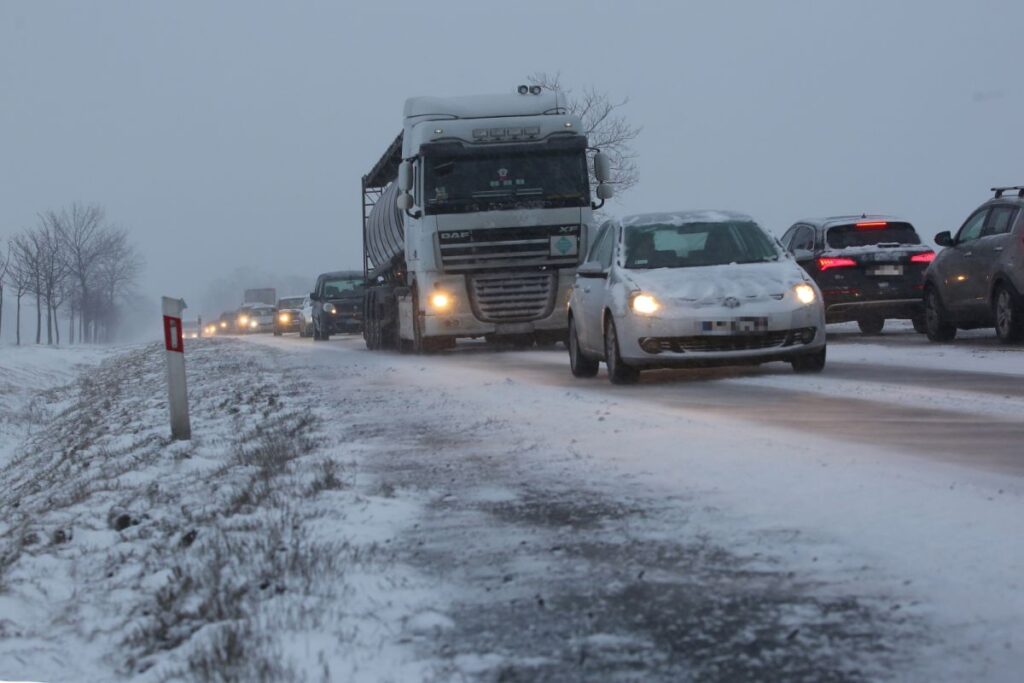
(248, 554)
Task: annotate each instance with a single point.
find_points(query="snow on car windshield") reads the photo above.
(697, 244)
(334, 288)
(295, 302)
(870, 233)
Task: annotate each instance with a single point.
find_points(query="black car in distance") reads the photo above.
(869, 268)
(337, 303)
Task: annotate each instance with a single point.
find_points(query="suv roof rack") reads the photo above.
(1000, 190)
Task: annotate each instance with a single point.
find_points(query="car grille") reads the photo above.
(481, 249)
(512, 297)
(734, 342)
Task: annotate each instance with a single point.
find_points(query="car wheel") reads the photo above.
(920, 326)
(1008, 315)
(618, 371)
(579, 364)
(937, 325)
(809, 362)
(318, 334)
(871, 325)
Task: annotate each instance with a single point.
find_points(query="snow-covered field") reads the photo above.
(480, 515)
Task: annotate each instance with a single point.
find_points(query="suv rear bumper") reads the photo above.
(887, 308)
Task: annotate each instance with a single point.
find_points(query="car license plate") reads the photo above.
(886, 270)
(745, 324)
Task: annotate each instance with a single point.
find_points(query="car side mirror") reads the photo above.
(803, 255)
(591, 269)
(313, 296)
(944, 239)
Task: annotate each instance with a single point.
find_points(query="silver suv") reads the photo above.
(978, 279)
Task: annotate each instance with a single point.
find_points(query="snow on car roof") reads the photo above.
(684, 217)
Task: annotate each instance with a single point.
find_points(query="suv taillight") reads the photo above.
(924, 257)
(826, 262)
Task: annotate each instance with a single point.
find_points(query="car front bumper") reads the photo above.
(716, 335)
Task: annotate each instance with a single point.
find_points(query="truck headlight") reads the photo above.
(644, 304)
(440, 301)
(805, 294)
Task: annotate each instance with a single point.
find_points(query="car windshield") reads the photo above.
(290, 303)
(497, 181)
(871, 233)
(342, 286)
(697, 244)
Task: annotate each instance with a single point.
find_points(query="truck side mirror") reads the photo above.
(605, 191)
(404, 201)
(405, 177)
(602, 168)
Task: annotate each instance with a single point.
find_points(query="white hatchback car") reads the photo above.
(693, 288)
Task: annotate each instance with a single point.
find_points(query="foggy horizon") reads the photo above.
(234, 135)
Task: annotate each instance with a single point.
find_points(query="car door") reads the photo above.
(802, 241)
(962, 274)
(590, 292)
(995, 239)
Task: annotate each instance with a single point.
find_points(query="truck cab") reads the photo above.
(475, 221)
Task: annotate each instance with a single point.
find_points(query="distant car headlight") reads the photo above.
(644, 304)
(329, 307)
(223, 323)
(284, 317)
(805, 294)
(244, 320)
(254, 323)
(440, 301)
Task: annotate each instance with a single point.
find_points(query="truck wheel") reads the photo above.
(579, 364)
(618, 371)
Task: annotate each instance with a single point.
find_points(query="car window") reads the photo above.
(602, 236)
(803, 239)
(971, 230)
(787, 236)
(1000, 218)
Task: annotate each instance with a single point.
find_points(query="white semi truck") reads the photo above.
(474, 221)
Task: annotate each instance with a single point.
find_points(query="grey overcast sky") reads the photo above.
(230, 133)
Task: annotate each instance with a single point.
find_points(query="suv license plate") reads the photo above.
(886, 270)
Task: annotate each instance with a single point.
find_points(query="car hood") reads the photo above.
(713, 284)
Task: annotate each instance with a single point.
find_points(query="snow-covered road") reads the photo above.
(893, 480)
(482, 515)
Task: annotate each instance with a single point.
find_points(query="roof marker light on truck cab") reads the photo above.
(872, 225)
(923, 257)
(826, 262)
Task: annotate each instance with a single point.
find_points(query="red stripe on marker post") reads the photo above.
(172, 334)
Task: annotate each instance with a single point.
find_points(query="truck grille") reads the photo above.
(735, 342)
(487, 248)
(512, 297)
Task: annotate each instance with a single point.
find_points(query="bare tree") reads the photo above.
(607, 128)
(23, 273)
(5, 266)
(116, 274)
(53, 269)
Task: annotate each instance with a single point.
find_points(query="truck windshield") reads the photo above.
(497, 181)
(697, 244)
(290, 303)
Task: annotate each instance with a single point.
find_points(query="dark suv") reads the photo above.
(337, 303)
(869, 268)
(978, 279)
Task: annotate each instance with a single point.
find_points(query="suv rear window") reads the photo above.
(870, 233)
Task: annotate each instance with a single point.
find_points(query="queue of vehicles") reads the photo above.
(478, 222)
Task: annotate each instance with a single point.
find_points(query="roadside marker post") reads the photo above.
(177, 394)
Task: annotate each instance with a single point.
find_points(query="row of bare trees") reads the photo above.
(75, 266)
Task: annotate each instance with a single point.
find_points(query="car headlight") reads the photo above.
(805, 293)
(329, 307)
(644, 304)
(284, 317)
(440, 301)
(223, 323)
(244, 320)
(254, 323)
